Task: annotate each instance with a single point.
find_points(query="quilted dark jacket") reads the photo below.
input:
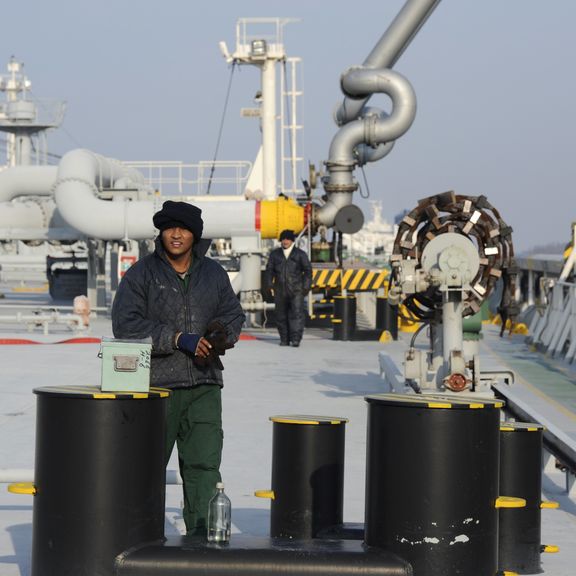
(289, 276)
(151, 301)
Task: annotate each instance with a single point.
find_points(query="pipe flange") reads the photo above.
(330, 188)
(456, 382)
(59, 181)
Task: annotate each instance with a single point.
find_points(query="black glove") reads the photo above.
(217, 336)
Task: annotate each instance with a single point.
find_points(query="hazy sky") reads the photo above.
(495, 82)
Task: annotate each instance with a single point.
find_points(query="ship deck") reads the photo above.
(322, 377)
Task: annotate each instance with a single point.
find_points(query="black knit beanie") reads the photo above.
(180, 214)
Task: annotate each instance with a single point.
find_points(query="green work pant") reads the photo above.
(195, 424)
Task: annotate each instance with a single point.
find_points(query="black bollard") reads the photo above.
(387, 317)
(344, 321)
(432, 482)
(519, 529)
(99, 476)
(307, 475)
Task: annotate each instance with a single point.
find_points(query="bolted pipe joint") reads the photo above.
(373, 131)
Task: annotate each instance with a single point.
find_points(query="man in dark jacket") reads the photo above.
(183, 300)
(289, 275)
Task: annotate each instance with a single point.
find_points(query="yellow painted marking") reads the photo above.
(549, 505)
(139, 395)
(103, 395)
(24, 289)
(550, 549)
(510, 502)
(356, 280)
(380, 280)
(322, 278)
(264, 494)
(439, 405)
(385, 337)
(367, 280)
(346, 277)
(22, 488)
(334, 278)
(336, 320)
(506, 429)
(297, 420)
(294, 421)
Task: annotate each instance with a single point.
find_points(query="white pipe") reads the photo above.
(44, 319)
(33, 220)
(80, 174)
(21, 215)
(256, 306)
(27, 181)
(269, 128)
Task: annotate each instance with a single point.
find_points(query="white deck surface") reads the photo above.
(323, 377)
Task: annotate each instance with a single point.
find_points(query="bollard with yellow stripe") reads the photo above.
(351, 279)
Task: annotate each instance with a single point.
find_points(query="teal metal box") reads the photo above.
(125, 365)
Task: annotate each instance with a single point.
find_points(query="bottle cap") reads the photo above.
(220, 485)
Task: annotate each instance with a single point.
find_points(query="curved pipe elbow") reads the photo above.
(362, 81)
(80, 174)
(102, 171)
(325, 215)
(365, 154)
(373, 130)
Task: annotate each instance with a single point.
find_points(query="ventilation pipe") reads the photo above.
(367, 134)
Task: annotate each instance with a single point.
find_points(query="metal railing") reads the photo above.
(555, 330)
(173, 178)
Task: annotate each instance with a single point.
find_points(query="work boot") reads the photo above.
(284, 343)
(295, 344)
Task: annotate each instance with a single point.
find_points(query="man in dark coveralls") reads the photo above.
(184, 301)
(289, 275)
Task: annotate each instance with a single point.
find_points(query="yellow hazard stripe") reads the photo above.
(355, 281)
(368, 280)
(346, 277)
(334, 278)
(350, 279)
(322, 278)
(379, 282)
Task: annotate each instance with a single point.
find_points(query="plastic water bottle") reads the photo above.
(219, 516)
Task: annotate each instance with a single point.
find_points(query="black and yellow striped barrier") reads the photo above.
(351, 279)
